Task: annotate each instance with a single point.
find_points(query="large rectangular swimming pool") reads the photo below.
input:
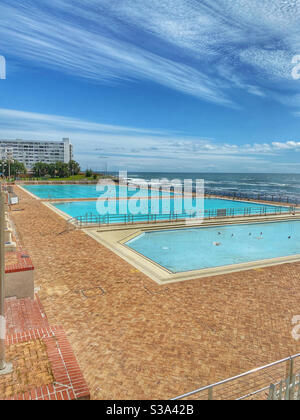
(189, 249)
(162, 208)
(69, 191)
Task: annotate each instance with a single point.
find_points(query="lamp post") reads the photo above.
(2, 157)
(9, 157)
(105, 165)
(5, 368)
(6, 159)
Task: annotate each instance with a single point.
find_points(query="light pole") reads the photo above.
(106, 165)
(2, 157)
(9, 157)
(6, 159)
(5, 368)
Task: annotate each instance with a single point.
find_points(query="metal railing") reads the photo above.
(254, 196)
(91, 219)
(286, 390)
(254, 384)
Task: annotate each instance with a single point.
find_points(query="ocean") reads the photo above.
(279, 187)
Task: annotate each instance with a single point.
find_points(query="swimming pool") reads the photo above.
(162, 208)
(69, 191)
(189, 249)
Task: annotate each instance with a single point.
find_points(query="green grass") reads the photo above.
(71, 178)
(80, 177)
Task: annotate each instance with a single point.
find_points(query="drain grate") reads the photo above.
(92, 292)
(163, 291)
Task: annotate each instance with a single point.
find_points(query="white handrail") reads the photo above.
(206, 388)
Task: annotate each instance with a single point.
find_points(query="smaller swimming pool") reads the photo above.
(189, 249)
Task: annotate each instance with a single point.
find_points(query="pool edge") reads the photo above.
(162, 276)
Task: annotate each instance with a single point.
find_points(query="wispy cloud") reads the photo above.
(203, 49)
(22, 118)
(141, 149)
(93, 53)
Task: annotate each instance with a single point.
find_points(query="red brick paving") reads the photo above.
(27, 322)
(69, 383)
(18, 261)
(140, 340)
(24, 314)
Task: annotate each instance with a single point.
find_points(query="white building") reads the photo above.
(29, 152)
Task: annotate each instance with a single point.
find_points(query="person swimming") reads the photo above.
(216, 243)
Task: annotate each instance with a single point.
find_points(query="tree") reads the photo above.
(52, 170)
(74, 167)
(12, 168)
(62, 169)
(17, 168)
(2, 167)
(40, 169)
(88, 173)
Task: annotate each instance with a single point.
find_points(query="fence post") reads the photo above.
(271, 392)
(292, 387)
(289, 368)
(289, 376)
(287, 389)
(210, 393)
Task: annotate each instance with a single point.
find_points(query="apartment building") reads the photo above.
(29, 152)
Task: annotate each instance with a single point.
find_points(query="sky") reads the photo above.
(156, 85)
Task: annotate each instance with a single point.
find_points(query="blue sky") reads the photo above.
(173, 85)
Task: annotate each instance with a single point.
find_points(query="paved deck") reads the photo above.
(135, 339)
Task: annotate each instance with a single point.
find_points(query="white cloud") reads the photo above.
(140, 149)
(89, 53)
(22, 117)
(289, 145)
(273, 63)
(181, 44)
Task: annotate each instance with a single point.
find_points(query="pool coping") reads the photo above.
(116, 240)
(28, 192)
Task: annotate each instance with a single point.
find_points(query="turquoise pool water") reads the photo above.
(198, 248)
(86, 191)
(118, 210)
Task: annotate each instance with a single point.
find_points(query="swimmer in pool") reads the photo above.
(216, 243)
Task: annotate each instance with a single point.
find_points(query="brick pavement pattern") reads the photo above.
(31, 368)
(134, 339)
(44, 365)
